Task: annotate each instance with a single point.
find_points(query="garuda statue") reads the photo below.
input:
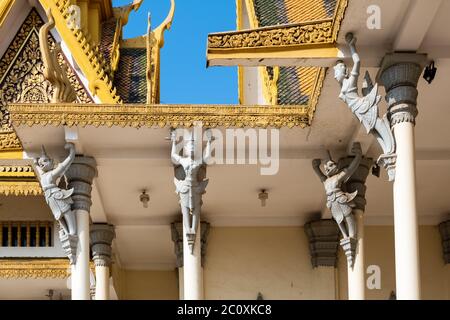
(365, 107)
(190, 182)
(59, 200)
(339, 202)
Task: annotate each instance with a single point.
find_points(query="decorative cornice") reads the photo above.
(9, 141)
(159, 115)
(53, 268)
(17, 171)
(299, 34)
(309, 33)
(19, 188)
(34, 269)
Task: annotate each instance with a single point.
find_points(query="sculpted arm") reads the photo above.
(63, 166)
(351, 41)
(316, 166)
(350, 170)
(174, 156)
(207, 157)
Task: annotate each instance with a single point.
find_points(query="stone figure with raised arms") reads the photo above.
(59, 200)
(365, 107)
(339, 202)
(190, 182)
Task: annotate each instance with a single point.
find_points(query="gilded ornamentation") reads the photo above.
(22, 78)
(20, 188)
(36, 268)
(88, 56)
(155, 41)
(16, 171)
(9, 141)
(55, 73)
(159, 115)
(292, 35)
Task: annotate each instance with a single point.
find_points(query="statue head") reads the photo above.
(331, 168)
(44, 162)
(340, 71)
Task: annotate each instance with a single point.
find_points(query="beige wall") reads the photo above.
(379, 250)
(240, 262)
(146, 285)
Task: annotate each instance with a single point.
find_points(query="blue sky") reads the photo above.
(184, 76)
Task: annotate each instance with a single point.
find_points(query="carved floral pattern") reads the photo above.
(22, 78)
(315, 33)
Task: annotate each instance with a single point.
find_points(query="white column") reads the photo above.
(399, 73)
(102, 283)
(407, 269)
(102, 235)
(193, 275)
(181, 283)
(80, 176)
(80, 277)
(356, 275)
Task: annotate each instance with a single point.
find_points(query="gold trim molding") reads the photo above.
(52, 268)
(315, 33)
(20, 188)
(137, 116)
(34, 268)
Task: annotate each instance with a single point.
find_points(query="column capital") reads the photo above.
(177, 238)
(101, 237)
(323, 236)
(357, 182)
(80, 176)
(399, 73)
(444, 230)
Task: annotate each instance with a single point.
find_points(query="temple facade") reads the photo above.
(327, 180)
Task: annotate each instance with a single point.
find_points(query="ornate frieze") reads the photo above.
(20, 188)
(287, 35)
(34, 269)
(323, 236)
(308, 33)
(159, 115)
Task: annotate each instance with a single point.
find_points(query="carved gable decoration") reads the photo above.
(22, 79)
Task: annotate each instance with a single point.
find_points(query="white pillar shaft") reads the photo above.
(356, 276)
(407, 270)
(193, 281)
(101, 283)
(181, 283)
(81, 276)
